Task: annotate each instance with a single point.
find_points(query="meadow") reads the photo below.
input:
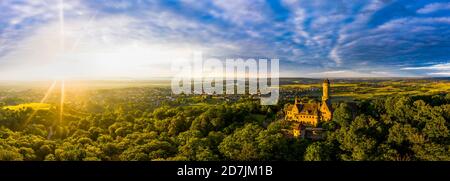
(366, 89)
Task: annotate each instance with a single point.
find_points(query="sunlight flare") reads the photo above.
(61, 25)
(49, 91)
(63, 94)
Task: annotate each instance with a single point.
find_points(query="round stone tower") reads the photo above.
(325, 91)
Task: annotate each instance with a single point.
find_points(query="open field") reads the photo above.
(342, 90)
(33, 106)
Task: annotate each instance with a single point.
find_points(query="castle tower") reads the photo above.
(325, 108)
(296, 100)
(326, 89)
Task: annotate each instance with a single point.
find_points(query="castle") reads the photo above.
(303, 114)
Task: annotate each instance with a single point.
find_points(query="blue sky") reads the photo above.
(320, 38)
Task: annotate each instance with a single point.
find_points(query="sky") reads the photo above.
(139, 39)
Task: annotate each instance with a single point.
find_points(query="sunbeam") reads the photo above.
(61, 25)
(49, 91)
(62, 100)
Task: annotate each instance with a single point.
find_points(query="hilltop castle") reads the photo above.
(310, 113)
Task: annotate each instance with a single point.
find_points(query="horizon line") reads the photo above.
(169, 78)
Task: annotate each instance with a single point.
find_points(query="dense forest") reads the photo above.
(127, 124)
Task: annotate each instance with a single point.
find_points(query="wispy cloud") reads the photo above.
(439, 74)
(334, 55)
(433, 7)
(351, 73)
(442, 66)
(315, 38)
(241, 12)
(442, 69)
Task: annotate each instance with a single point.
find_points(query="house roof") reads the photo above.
(306, 109)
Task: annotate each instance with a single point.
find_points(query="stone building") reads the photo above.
(310, 114)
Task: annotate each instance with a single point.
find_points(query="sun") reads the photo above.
(62, 80)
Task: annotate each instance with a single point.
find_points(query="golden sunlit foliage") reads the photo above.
(149, 123)
(33, 106)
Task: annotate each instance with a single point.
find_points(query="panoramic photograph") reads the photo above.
(216, 80)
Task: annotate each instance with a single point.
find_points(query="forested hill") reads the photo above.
(143, 124)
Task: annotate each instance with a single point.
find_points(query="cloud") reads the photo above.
(107, 46)
(354, 38)
(20, 11)
(355, 28)
(350, 73)
(406, 23)
(335, 56)
(20, 18)
(439, 74)
(442, 66)
(335, 72)
(118, 45)
(433, 7)
(241, 11)
(441, 69)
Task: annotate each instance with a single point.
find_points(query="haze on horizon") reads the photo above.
(138, 39)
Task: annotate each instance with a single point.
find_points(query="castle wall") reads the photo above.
(307, 119)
